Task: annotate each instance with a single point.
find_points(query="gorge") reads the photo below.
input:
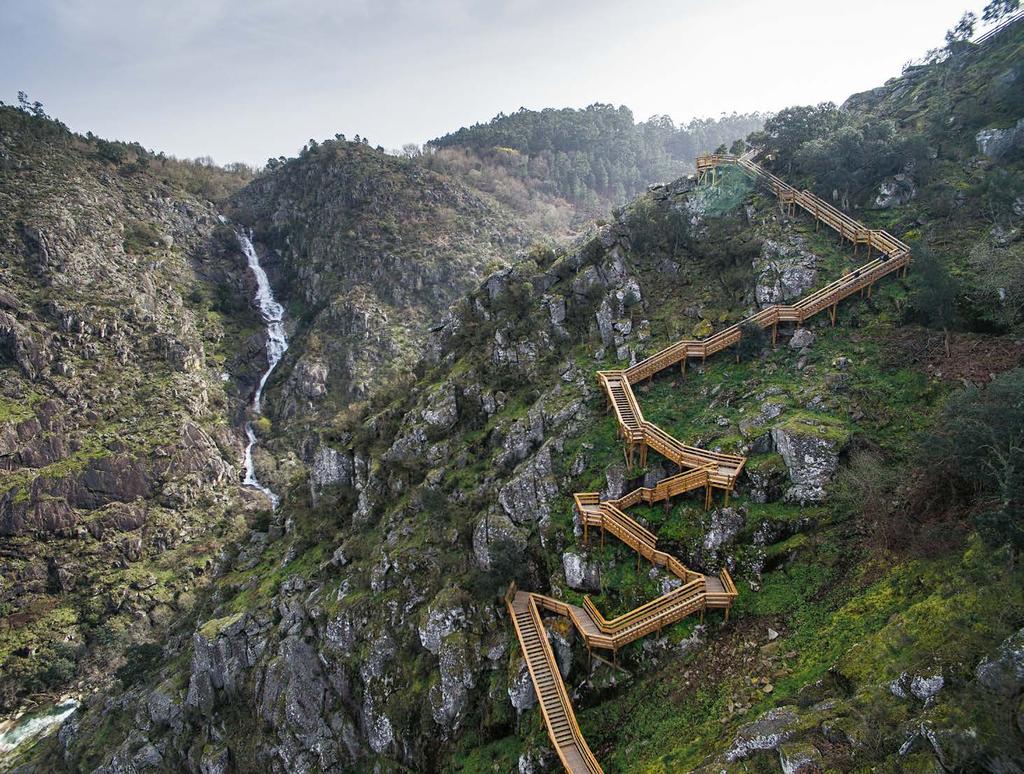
(562, 441)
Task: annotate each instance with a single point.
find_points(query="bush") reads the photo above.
(143, 658)
(753, 342)
(657, 229)
(140, 236)
(978, 448)
(933, 291)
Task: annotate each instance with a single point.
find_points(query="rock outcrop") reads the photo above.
(810, 450)
(997, 143)
(785, 270)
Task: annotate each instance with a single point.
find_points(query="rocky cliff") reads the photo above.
(118, 478)
(372, 249)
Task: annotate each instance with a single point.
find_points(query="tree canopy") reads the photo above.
(595, 155)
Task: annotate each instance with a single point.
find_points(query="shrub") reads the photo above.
(140, 236)
(933, 291)
(978, 447)
(144, 657)
(753, 341)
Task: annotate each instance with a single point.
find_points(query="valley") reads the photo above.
(562, 441)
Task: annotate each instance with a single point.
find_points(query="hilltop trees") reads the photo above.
(34, 108)
(852, 158)
(786, 131)
(997, 9)
(963, 31)
(843, 154)
(592, 157)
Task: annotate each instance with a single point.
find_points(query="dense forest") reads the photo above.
(593, 157)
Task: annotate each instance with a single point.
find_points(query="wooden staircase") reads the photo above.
(554, 702)
(699, 469)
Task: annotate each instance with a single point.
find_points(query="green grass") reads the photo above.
(15, 410)
(818, 425)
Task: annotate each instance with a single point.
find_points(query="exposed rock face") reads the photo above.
(615, 486)
(895, 191)
(1004, 672)
(926, 688)
(812, 460)
(767, 482)
(562, 649)
(377, 675)
(118, 441)
(528, 496)
(802, 337)
(443, 411)
(294, 698)
(725, 525)
(458, 665)
(766, 733)
(580, 573)
(537, 761)
(525, 434)
(785, 271)
(221, 659)
(997, 143)
(306, 385)
(329, 467)
(445, 615)
(920, 687)
(799, 758)
(521, 691)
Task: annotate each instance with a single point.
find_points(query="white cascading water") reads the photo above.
(33, 726)
(277, 343)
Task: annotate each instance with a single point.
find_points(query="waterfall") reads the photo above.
(277, 343)
(33, 726)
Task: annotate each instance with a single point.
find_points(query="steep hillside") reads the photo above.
(372, 633)
(420, 509)
(937, 155)
(118, 483)
(874, 537)
(368, 251)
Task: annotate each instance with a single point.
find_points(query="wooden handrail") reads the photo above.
(726, 579)
(646, 611)
(668, 487)
(1007, 22)
(563, 698)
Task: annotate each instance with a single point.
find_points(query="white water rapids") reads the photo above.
(277, 343)
(32, 726)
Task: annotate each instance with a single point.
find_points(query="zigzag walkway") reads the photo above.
(699, 469)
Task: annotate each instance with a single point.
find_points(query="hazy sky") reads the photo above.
(243, 80)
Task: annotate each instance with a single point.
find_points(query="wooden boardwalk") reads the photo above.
(700, 469)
